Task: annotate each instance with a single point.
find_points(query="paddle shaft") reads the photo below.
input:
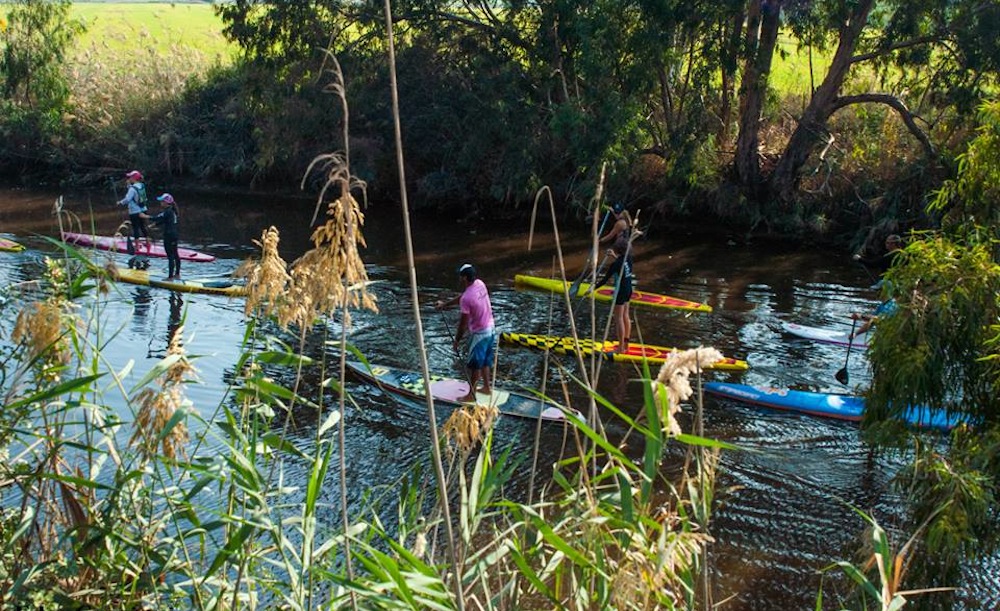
(575, 287)
(842, 375)
(458, 355)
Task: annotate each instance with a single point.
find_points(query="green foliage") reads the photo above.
(970, 203)
(123, 525)
(880, 579)
(33, 46)
(953, 494)
(35, 38)
(940, 349)
(931, 351)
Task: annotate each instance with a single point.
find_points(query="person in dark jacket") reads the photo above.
(168, 220)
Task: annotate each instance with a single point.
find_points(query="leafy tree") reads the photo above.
(942, 349)
(928, 56)
(33, 46)
(34, 38)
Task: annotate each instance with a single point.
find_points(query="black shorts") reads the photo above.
(139, 229)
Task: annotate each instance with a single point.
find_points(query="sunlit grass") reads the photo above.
(790, 71)
(123, 27)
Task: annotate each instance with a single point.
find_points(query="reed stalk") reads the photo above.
(418, 325)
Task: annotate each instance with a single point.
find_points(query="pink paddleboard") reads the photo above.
(120, 244)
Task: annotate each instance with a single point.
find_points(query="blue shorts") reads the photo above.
(482, 349)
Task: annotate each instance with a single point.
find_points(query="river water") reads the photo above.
(785, 512)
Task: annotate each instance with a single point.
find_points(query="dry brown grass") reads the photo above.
(673, 384)
(42, 326)
(468, 425)
(158, 407)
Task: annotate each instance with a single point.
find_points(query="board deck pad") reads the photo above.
(826, 336)
(826, 405)
(215, 286)
(606, 294)
(120, 244)
(10, 245)
(608, 350)
(449, 390)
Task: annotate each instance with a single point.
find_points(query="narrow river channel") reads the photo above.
(786, 503)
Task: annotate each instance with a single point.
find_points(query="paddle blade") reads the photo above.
(842, 376)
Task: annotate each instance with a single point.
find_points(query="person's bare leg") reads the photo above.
(620, 328)
(485, 374)
(626, 328)
(473, 382)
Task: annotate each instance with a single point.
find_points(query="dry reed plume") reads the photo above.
(673, 385)
(326, 278)
(158, 407)
(266, 281)
(655, 566)
(467, 426)
(41, 326)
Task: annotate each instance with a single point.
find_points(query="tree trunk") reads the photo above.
(762, 37)
(812, 124)
(729, 37)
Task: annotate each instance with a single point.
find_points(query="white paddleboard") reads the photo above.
(826, 336)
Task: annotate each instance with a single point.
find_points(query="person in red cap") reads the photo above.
(136, 200)
(168, 219)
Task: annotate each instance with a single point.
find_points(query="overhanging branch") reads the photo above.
(909, 119)
(905, 44)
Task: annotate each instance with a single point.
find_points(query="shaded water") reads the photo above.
(785, 514)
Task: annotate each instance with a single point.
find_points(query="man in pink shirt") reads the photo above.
(477, 319)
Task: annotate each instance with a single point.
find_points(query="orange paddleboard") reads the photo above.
(606, 293)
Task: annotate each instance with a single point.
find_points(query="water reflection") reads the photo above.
(785, 514)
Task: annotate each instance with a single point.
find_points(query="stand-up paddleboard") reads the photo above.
(636, 353)
(841, 407)
(120, 244)
(215, 286)
(606, 293)
(10, 245)
(410, 384)
(826, 336)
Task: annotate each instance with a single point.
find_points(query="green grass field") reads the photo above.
(153, 27)
(790, 69)
(193, 28)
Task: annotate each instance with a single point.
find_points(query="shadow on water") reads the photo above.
(784, 514)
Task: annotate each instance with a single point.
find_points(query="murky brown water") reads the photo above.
(785, 514)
